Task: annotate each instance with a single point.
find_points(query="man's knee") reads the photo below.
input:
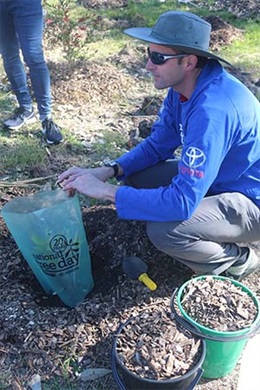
(154, 233)
(160, 234)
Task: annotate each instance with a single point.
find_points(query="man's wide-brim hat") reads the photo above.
(183, 31)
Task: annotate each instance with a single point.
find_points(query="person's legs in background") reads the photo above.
(27, 22)
(207, 242)
(9, 49)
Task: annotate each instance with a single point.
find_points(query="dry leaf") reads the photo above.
(90, 374)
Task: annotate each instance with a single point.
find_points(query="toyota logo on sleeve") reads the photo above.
(194, 157)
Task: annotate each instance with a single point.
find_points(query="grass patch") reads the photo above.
(110, 146)
(245, 52)
(104, 49)
(21, 153)
(136, 12)
(6, 104)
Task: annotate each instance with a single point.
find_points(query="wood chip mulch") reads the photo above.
(219, 304)
(153, 346)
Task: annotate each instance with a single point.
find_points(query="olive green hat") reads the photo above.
(183, 31)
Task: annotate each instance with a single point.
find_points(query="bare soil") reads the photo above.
(38, 334)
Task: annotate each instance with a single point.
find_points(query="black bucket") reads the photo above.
(128, 380)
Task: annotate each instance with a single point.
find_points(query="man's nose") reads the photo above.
(149, 65)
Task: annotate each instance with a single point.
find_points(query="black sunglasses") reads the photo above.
(159, 59)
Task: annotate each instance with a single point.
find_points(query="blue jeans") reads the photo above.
(21, 27)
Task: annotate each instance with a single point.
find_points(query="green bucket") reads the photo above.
(223, 349)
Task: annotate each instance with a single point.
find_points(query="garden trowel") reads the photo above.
(136, 268)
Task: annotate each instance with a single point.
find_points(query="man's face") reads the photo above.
(169, 74)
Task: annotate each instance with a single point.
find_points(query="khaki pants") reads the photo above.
(207, 242)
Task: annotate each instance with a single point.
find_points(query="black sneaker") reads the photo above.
(51, 132)
(19, 118)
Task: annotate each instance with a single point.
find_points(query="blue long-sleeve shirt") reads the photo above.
(219, 130)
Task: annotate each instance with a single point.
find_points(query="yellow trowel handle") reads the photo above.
(147, 281)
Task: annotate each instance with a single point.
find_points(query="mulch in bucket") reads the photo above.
(151, 351)
(223, 311)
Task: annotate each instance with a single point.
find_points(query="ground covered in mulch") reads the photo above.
(38, 334)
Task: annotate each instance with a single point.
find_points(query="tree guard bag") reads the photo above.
(48, 229)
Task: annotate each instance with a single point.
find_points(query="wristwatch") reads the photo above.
(114, 165)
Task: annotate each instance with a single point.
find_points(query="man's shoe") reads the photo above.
(51, 132)
(251, 265)
(19, 118)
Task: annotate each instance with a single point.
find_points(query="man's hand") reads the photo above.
(88, 184)
(101, 173)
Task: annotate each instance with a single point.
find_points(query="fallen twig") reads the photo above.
(24, 183)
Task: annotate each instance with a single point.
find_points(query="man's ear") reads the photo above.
(191, 62)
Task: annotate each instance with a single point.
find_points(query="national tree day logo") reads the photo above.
(64, 257)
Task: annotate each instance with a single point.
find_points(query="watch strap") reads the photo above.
(114, 165)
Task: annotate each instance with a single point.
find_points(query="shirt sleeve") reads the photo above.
(206, 142)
